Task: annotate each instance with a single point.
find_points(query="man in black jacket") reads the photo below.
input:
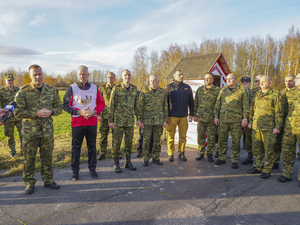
(180, 99)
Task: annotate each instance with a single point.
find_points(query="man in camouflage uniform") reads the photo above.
(37, 102)
(123, 107)
(231, 112)
(7, 95)
(291, 132)
(289, 84)
(248, 132)
(105, 91)
(204, 104)
(153, 118)
(266, 121)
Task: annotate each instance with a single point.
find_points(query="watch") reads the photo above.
(95, 111)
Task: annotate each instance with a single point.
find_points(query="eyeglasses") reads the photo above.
(256, 81)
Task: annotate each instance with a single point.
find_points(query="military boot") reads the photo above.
(249, 159)
(116, 165)
(182, 156)
(128, 164)
(210, 157)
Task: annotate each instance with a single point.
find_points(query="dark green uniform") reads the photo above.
(153, 113)
(291, 132)
(204, 103)
(232, 106)
(123, 108)
(278, 145)
(265, 115)
(105, 91)
(6, 96)
(36, 131)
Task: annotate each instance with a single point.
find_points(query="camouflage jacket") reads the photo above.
(105, 91)
(266, 111)
(123, 105)
(284, 106)
(292, 122)
(251, 94)
(29, 100)
(6, 96)
(153, 106)
(204, 103)
(232, 106)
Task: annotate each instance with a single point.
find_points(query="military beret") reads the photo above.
(9, 76)
(247, 79)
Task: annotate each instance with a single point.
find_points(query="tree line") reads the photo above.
(245, 57)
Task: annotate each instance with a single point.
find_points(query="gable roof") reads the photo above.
(196, 67)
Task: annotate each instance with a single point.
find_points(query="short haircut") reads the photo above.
(269, 77)
(176, 72)
(111, 74)
(155, 76)
(213, 76)
(258, 76)
(35, 66)
(126, 70)
(82, 66)
(232, 74)
(291, 75)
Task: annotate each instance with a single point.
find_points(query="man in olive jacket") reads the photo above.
(153, 118)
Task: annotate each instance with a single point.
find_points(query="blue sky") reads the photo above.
(60, 35)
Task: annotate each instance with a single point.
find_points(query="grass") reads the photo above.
(62, 147)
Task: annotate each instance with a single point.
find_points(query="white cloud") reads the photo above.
(9, 20)
(40, 19)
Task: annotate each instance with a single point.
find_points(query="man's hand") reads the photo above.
(216, 121)
(44, 113)
(3, 112)
(190, 118)
(142, 125)
(244, 123)
(99, 118)
(276, 131)
(86, 112)
(111, 125)
(250, 126)
(164, 124)
(196, 119)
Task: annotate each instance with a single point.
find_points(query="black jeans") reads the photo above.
(90, 134)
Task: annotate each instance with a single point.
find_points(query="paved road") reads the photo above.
(189, 192)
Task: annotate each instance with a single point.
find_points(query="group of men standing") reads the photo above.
(267, 116)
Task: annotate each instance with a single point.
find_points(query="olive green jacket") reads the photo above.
(105, 91)
(6, 96)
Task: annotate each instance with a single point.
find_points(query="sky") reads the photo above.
(61, 35)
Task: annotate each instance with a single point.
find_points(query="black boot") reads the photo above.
(217, 154)
(128, 164)
(116, 165)
(249, 159)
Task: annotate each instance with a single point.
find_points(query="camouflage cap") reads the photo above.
(246, 79)
(9, 76)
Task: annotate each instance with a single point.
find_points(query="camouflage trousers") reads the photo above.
(9, 128)
(104, 130)
(30, 148)
(211, 130)
(147, 132)
(248, 140)
(118, 137)
(278, 147)
(236, 133)
(263, 146)
(289, 141)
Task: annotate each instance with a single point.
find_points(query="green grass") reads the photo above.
(62, 147)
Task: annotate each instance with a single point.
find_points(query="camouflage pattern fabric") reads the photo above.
(291, 132)
(30, 148)
(123, 106)
(211, 130)
(118, 137)
(36, 131)
(204, 104)
(6, 96)
(153, 113)
(157, 132)
(104, 130)
(278, 145)
(231, 108)
(105, 92)
(265, 115)
(236, 133)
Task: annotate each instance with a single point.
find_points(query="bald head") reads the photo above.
(265, 82)
(110, 79)
(154, 81)
(257, 81)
